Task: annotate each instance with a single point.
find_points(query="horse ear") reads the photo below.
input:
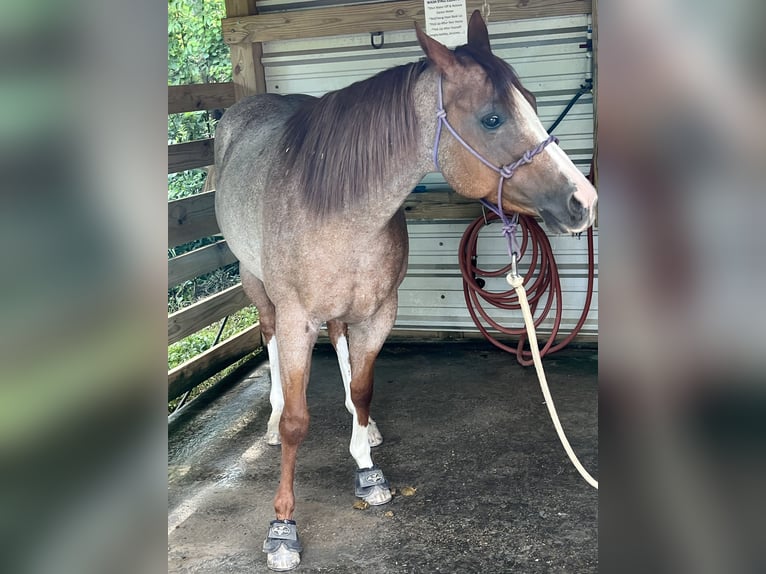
(439, 55)
(478, 37)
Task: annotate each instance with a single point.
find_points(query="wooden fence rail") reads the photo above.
(200, 97)
(190, 155)
(193, 318)
(191, 218)
(200, 368)
(198, 262)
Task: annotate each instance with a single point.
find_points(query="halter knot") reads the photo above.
(509, 229)
(506, 172)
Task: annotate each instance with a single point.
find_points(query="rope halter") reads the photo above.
(505, 172)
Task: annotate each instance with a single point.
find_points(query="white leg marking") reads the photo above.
(373, 434)
(360, 446)
(276, 397)
(345, 370)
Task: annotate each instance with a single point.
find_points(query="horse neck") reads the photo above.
(405, 172)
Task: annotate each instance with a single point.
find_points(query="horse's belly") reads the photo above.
(351, 292)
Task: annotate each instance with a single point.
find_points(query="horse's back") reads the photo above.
(246, 148)
(251, 116)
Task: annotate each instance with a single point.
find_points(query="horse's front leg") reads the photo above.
(338, 332)
(296, 336)
(365, 342)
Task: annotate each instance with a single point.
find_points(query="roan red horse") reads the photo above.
(309, 197)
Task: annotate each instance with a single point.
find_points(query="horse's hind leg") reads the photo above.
(365, 342)
(255, 290)
(338, 332)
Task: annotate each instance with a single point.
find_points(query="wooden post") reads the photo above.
(247, 69)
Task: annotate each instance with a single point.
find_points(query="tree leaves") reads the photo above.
(197, 54)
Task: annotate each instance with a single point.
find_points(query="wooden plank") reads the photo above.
(247, 69)
(191, 319)
(246, 66)
(198, 97)
(441, 205)
(382, 16)
(200, 368)
(195, 263)
(191, 218)
(240, 7)
(190, 155)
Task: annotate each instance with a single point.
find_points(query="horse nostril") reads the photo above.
(576, 208)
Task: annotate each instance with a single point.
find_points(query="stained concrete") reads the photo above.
(462, 423)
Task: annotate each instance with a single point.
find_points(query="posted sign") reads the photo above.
(446, 21)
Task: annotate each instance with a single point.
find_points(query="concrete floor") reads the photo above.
(462, 423)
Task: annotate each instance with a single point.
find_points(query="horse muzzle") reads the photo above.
(574, 214)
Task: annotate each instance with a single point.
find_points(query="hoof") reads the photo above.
(283, 559)
(374, 438)
(282, 546)
(371, 486)
(378, 495)
(273, 439)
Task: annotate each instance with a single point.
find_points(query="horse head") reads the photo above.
(492, 123)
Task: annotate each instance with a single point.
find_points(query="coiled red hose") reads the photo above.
(541, 282)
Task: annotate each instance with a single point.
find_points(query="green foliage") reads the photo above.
(197, 54)
(185, 183)
(196, 51)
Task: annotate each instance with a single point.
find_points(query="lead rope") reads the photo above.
(517, 282)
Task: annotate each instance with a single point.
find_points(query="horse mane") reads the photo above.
(340, 146)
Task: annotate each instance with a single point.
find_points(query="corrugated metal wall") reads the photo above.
(548, 56)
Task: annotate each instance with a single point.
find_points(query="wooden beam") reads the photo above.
(195, 263)
(377, 17)
(190, 155)
(191, 218)
(200, 368)
(198, 97)
(247, 69)
(246, 66)
(441, 205)
(240, 7)
(191, 319)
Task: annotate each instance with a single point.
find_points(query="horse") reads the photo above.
(309, 196)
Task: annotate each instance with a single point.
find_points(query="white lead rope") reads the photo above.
(516, 281)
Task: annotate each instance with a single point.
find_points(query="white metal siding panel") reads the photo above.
(431, 296)
(547, 56)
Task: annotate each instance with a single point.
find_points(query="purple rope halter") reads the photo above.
(505, 172)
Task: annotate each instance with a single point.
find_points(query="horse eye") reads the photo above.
(491, 121)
